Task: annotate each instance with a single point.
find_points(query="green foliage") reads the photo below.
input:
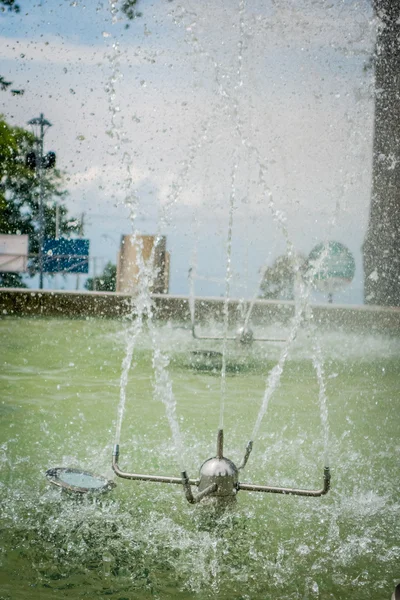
(279, 280)
(11, 280)
(4, 85)
(9, 5)
(106, 282)
(19, 191)
(129, 10)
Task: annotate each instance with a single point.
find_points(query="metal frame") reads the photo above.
(230, 338)
(220, 482)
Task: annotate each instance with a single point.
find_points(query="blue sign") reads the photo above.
(66, 256)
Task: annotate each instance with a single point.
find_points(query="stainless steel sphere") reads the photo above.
(245, 335)
(221, 471)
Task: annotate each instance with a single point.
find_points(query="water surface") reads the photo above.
(59, 390)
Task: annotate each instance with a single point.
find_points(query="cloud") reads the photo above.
(56, 51)
(180, 116)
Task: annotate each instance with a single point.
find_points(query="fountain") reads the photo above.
(73, 389)
(244, 333)
(219, 478)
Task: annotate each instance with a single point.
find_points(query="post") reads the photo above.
(39, 169)
(81, 236)
(94, 273)
(57, 221)
(41, 122)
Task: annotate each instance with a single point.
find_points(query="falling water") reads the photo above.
(275, 374)
(131, 201)
(228, 276)
(301, 312)
(232, 206)
(132, 334)
(323, 401)
(163, 392)
(142, 301)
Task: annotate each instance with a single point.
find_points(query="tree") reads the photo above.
(381, 248)
(279, 280)
(129, 9)
(106, 282)
(9, 5)
(19, 195)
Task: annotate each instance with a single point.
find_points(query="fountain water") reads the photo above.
(145, 542)
(218, 476)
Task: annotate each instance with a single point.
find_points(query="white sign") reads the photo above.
(13, 253)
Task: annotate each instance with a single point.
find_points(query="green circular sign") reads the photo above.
(331, 266)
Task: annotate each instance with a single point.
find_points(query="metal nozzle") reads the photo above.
(220, 443)
(249, 448)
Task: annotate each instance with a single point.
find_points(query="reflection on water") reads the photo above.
(144, 541)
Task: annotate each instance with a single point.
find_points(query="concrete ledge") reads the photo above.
(48, 303)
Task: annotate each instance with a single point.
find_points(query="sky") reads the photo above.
(195, 115)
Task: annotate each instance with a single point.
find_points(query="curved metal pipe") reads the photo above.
(249, 448)
(249, 487)
(230, 338)
(144, 477)
(208, 337)
(188, 490)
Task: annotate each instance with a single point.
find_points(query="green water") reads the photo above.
(59, 395)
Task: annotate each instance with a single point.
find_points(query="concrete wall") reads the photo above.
(22, 302)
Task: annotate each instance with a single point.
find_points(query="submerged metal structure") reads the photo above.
(219, 478)
(244, 335)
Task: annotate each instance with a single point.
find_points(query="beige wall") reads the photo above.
(136, 251)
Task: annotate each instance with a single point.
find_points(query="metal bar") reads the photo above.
(206, 492)
(217, 337)
(268, 340)
(57, 221)
(249, 448)
(249, 487)
(143, 477)
(208, 337)
(188, 490)
(220, 444)
(39, 171)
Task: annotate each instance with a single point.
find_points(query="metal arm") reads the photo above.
(249, 487)
(188, 490)
(142, 477)
(249, 448)
(219, 478)
(208, 337)
(232, 338)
